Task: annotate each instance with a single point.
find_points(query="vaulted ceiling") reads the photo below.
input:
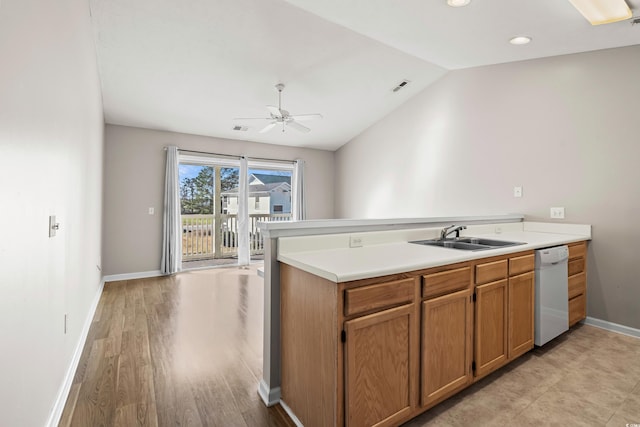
(192, 66)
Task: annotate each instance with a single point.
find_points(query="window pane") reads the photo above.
(196, 189)
(209, 219)
(271, 190)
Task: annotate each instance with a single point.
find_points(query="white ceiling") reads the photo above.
(191, 66)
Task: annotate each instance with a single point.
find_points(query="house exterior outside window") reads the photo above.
(269, 192)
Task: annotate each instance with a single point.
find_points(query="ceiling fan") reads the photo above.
(278, 115)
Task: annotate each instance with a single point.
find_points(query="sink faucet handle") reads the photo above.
(451, 229)
(461, 227)
(445, 231)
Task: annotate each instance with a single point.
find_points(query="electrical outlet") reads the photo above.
(152, 211)
(557, 213)
(355, 242)
(517, 191)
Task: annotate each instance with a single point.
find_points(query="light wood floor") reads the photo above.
(175, 351)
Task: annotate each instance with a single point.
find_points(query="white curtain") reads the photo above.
(172, 233)
(297, 197)
(243, 214)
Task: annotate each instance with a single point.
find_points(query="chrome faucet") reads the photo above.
(452, 229)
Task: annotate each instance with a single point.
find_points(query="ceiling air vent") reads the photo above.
(401, 85)
(241, 128)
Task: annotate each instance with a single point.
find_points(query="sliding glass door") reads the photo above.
(209, 233)
(212, 201)
(269, 199)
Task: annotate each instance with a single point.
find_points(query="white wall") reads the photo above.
(134, 181)
(564, 128)
(51, 150)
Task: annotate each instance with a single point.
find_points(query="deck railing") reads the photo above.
(199, 235)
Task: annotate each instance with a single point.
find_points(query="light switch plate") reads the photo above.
(53, 227)
(517, 191)
(152, 211)
(557, 213)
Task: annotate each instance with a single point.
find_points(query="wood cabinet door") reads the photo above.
(491, 326)
(521, 313)
(577, 309)
(447, 335)
(380, 367)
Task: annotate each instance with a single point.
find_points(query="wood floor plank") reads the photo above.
(67, 413)
(214, 405)
(96, 401)
(136, 415)
(127, 382)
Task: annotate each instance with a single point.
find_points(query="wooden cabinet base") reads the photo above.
(577, 309)
(577, 282)
(491, 327)
(521, 314)
(379, 368)
(446, 341)
(380, 351)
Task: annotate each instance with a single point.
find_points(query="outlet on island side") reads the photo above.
(355, 241)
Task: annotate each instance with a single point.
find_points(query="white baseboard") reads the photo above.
(131, 276)
(289, 412)
(613, 327)
(270, 396)
(63, 394)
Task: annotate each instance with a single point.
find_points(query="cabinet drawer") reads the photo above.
(577, 250)
(577, 285)
(576, 266)
(445, 282)
(491, 271)
(379, 296)
(577, 309)
(521, 264)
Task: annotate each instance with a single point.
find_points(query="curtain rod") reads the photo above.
(233, 156)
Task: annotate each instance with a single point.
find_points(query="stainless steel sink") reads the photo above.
(489, 242)
(468, 243)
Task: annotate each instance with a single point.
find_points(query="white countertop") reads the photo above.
(346, 264)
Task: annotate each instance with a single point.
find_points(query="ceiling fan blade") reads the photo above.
(268, 127)
(275, 111)
(304, 117)
(252, 118)
(298, 126)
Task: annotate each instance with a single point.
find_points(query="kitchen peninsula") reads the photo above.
(356, 304)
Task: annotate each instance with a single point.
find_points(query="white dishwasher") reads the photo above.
(552, 293)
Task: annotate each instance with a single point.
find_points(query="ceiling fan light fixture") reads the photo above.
(279, 116)
(520, 40)
(599, 12)
(458, 3)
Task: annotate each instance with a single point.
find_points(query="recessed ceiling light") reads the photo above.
(458, 3)
(520, 40)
